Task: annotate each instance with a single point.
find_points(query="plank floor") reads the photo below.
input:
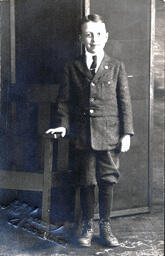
(140, 235)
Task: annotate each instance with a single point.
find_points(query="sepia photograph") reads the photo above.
(82, 127)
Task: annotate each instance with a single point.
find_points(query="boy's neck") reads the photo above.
(100, 53)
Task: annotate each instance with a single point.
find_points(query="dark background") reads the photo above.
(46, 37)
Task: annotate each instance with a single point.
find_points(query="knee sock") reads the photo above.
(87, 200)
(105, 200)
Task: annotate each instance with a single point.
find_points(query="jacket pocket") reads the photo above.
(113, 129)
(112, 121)
(108, 90)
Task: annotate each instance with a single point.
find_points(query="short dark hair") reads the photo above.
(91, 17)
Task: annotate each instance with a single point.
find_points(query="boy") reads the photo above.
(94, 107)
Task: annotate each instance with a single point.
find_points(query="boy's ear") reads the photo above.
(80, 38)
(107, 35)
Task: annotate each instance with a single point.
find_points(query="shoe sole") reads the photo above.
(84, 245)
(108, 244)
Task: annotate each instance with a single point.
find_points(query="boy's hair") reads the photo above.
(91, 17)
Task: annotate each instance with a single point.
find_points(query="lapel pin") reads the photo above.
(106, 67)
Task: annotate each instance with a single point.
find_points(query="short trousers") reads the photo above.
(92, 167)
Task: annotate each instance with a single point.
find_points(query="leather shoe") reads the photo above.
(106, 235)
(85, 238)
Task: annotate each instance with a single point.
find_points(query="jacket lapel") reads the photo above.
(105, 68)
(80, 64)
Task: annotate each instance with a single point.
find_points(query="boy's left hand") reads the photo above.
(125, 143)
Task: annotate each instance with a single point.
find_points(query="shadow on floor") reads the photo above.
(140, 235)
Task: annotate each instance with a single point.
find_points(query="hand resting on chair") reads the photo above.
(56, 131)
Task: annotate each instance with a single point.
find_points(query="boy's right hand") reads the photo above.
(55, 131)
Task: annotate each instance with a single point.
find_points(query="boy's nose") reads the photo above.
(93, 38)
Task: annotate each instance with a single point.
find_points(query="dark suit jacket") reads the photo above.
(96, 111)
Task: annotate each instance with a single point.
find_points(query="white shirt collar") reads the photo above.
(89, 58)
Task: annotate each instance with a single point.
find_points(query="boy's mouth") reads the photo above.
(94, 45)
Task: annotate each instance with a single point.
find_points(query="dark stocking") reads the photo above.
(87, 200)
(105, 200)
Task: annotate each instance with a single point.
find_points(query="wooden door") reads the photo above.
(128, 24)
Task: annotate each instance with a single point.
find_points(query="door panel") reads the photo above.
(128, 24)
(46, 37)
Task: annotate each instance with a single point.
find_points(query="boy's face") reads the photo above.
(94, 36)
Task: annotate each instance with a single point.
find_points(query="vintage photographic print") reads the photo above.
(82, 127)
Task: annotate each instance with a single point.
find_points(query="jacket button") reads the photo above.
(91, 111)
(92, 99)
(92, 84)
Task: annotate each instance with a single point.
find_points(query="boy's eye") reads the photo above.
(88, 34)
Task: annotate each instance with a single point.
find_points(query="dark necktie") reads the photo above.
(93, 65)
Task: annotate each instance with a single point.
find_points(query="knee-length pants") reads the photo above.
(93, 167)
